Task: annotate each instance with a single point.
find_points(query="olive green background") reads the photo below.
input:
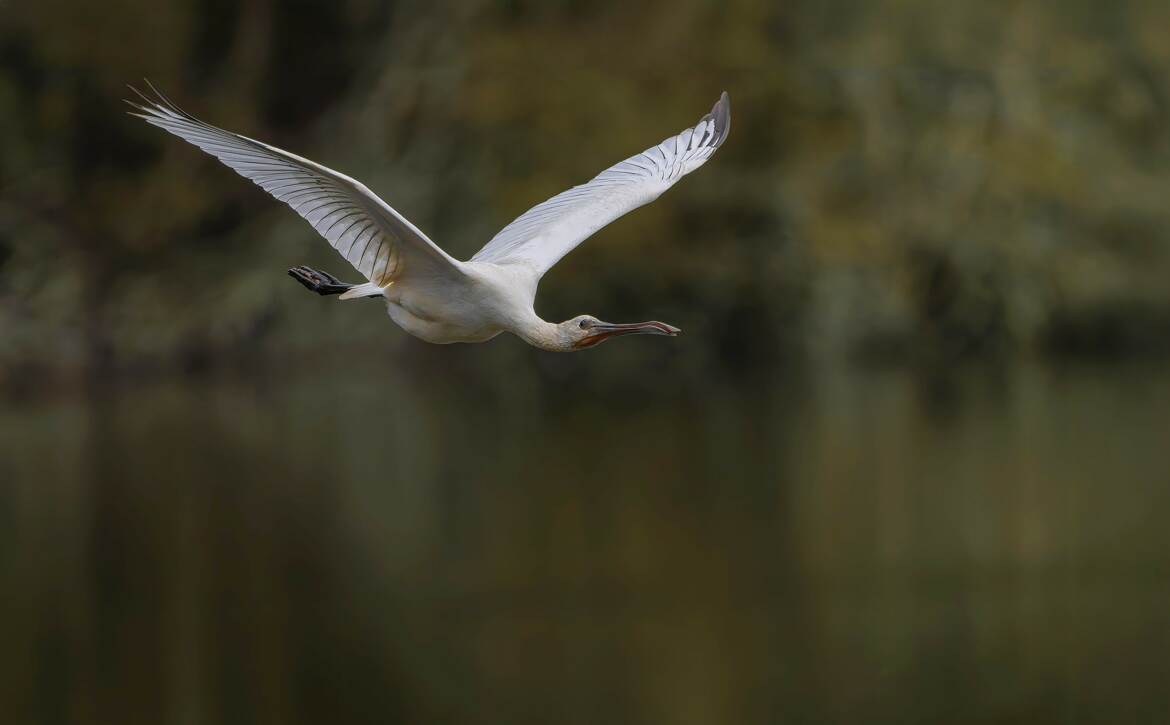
(907, 463)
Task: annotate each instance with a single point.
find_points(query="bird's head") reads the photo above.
(586, 331)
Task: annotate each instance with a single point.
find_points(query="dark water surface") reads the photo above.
(383, 546)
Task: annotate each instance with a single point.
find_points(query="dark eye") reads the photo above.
(583, 324)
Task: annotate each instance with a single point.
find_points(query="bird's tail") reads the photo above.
(369, 289)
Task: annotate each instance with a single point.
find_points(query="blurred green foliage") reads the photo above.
(904, 179)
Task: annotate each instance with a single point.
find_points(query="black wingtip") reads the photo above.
(161, 101)
(140, 94)
(722, 114)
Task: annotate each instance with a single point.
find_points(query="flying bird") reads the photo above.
(428, 293)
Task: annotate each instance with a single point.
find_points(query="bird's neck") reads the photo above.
(541, 334)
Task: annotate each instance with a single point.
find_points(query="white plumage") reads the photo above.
(430, 294)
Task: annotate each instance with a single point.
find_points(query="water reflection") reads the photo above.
(357, 546)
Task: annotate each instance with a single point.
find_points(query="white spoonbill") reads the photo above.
(428, 293)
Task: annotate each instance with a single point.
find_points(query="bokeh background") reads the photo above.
(906, 464)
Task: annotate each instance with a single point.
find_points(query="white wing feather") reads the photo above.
(373, 237)
(547, 232)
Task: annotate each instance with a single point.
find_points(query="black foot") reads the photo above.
(322, 283)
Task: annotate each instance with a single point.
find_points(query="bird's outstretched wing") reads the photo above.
(378, 241)
(548, 231)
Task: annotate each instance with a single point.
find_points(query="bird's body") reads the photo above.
(428, 293)
(489, 299)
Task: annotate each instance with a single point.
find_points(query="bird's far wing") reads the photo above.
(378, 241)
(549, 231)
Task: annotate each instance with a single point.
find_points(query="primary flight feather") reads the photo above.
(428, 293)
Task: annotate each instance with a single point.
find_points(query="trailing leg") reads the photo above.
(322, 283)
